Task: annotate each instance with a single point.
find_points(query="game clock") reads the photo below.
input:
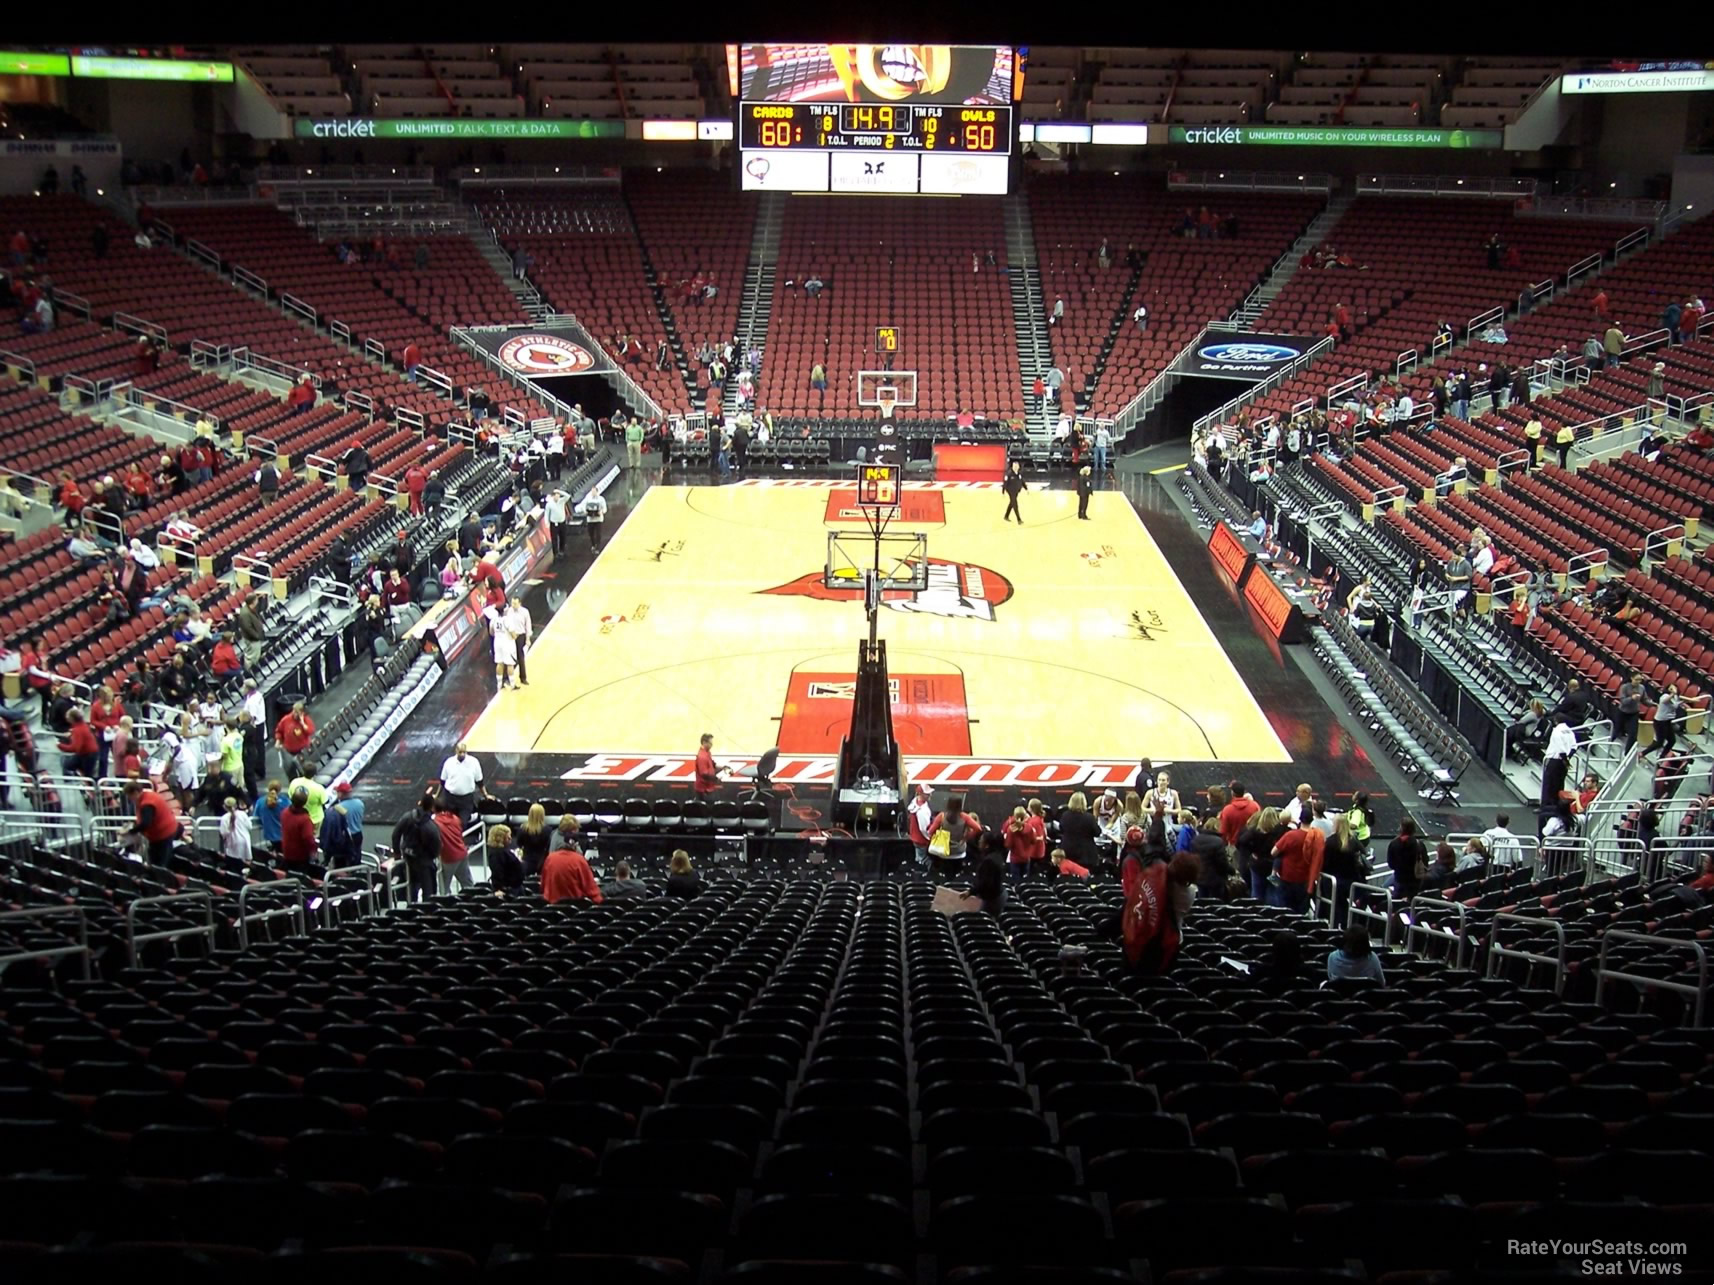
(901, 127)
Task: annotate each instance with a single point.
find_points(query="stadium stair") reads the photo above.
(760, 274)
(1277, 280)
(1029, 320)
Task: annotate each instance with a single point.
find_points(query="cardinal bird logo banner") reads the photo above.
(956, 590)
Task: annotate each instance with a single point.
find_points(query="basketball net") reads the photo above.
(885, 399)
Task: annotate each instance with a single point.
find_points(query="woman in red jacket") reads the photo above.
(1023, 844)
(297, 832)
(105, 711)
(157, 820)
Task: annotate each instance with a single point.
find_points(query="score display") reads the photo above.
(886, 339)
(871, 127)
(926, 148)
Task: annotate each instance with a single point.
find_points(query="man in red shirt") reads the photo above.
(566, 876)
(707, 783)
(1600, 302)
(411, 359)
(485, 573)
(1236, 814)
(157, 820)
(80, 748)
(293, 734)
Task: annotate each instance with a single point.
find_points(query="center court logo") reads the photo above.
(545, 355)
(957, 590)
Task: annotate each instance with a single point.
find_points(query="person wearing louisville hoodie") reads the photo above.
(454, 852)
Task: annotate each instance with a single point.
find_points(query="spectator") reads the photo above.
(1668, 711)
(235, 832)
(157, 821)
(594, 515)
(1156, 905)
(818, 378)
(1236, 814)
(623, 886)
(1255, 848)
(298, 842)
(80, 751)
(1442, 870)
(292, 734)
(533, 838)
(959, 828)
(302, 396)
(1407, 859)
(1355, 957)
(1297, 858)
(454, 852)
(1563, 439)
(416, 841)
(225, 663)
(1066, 866)
(682, 881)
(988, 885)
(1613, 346)
(505, 869)
(1025, 844)
(268, 811)
(461, 783)
(1632, 693)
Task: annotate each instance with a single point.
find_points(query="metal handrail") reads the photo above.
(1386, 918)
(1698, 992)
(1497, 952)
(50, 952)
(1460, 940)
(294, 912)
(133, 939)
(364, 895)
(1330, 898)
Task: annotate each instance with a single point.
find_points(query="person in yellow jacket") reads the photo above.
(1532, 437)
(1562, 441)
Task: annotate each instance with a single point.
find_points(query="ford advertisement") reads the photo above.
(1252, 357)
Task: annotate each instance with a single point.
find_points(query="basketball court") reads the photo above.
(710, 610)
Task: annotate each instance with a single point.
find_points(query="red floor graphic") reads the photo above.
(929, 713)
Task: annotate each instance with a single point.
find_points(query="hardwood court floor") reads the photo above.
(706, 613)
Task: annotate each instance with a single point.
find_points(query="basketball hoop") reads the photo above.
(886, 398)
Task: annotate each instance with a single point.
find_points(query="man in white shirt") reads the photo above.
(1503, 846)
(1141, 317)
(253, 704)
(559, 520)
(594, 514)
(516, 621)
(1299, 807)
(461, 782)
(1063, 430)
(1403, 408)
(555, 448)
(1484, 560)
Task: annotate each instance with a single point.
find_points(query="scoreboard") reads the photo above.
(923, 119)
(903, 127)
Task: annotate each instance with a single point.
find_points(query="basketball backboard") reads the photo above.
(876, 388)
(902, 556)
